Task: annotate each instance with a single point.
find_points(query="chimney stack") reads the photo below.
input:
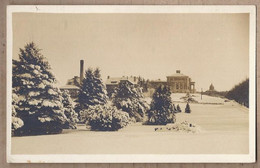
(81, 70)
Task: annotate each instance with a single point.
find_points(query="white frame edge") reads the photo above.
(136, 158)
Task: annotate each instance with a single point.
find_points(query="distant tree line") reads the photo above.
(240, 93)
(215, 93)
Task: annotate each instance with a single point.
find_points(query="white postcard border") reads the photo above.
(137, 158)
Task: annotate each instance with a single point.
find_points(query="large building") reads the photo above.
(178, 83)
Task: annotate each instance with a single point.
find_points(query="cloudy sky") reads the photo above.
(210, 48)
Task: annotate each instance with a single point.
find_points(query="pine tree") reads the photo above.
(40, 102)
(94, 105)
(92, 90)
(69, 111)
(129, 98)
(161, 109)
(178, 108)
(187, 109)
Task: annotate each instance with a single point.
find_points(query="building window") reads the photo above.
(177, 86)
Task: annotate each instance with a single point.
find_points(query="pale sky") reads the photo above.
(210, 48)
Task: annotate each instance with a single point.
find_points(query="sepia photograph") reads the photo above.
(131, 84)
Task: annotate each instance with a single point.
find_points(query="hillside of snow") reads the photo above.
(204, 99)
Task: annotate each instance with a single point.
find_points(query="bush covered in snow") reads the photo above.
(161, 109)
(106, 118)
(39, 101)
(69, 111)
(184, 126)
(188, 98)
(16, 122)
(129, 98)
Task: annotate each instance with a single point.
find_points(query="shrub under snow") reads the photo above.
(16, 122)
(106, 118)
(184, 126)
(69, 111)
(129, 98)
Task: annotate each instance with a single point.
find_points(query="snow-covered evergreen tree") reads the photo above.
(161, 109)
(40, 102)
(92, 91)
(129, 98)
(187, 109)
(69, 111)
(178, 108)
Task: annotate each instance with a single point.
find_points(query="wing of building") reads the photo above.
(113, 82)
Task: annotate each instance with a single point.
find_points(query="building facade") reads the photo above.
(156, 83)
(178, 83)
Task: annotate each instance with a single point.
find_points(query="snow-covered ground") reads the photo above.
(205, 99)
(224, 130)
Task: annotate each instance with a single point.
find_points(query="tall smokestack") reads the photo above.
(81, 70)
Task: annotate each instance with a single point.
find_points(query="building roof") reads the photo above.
(177, 74)
(69, 87)
(158, 80)
(116, 80)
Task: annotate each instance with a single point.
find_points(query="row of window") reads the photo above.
(181, 86)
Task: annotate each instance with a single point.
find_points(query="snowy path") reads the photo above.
(224, 131)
